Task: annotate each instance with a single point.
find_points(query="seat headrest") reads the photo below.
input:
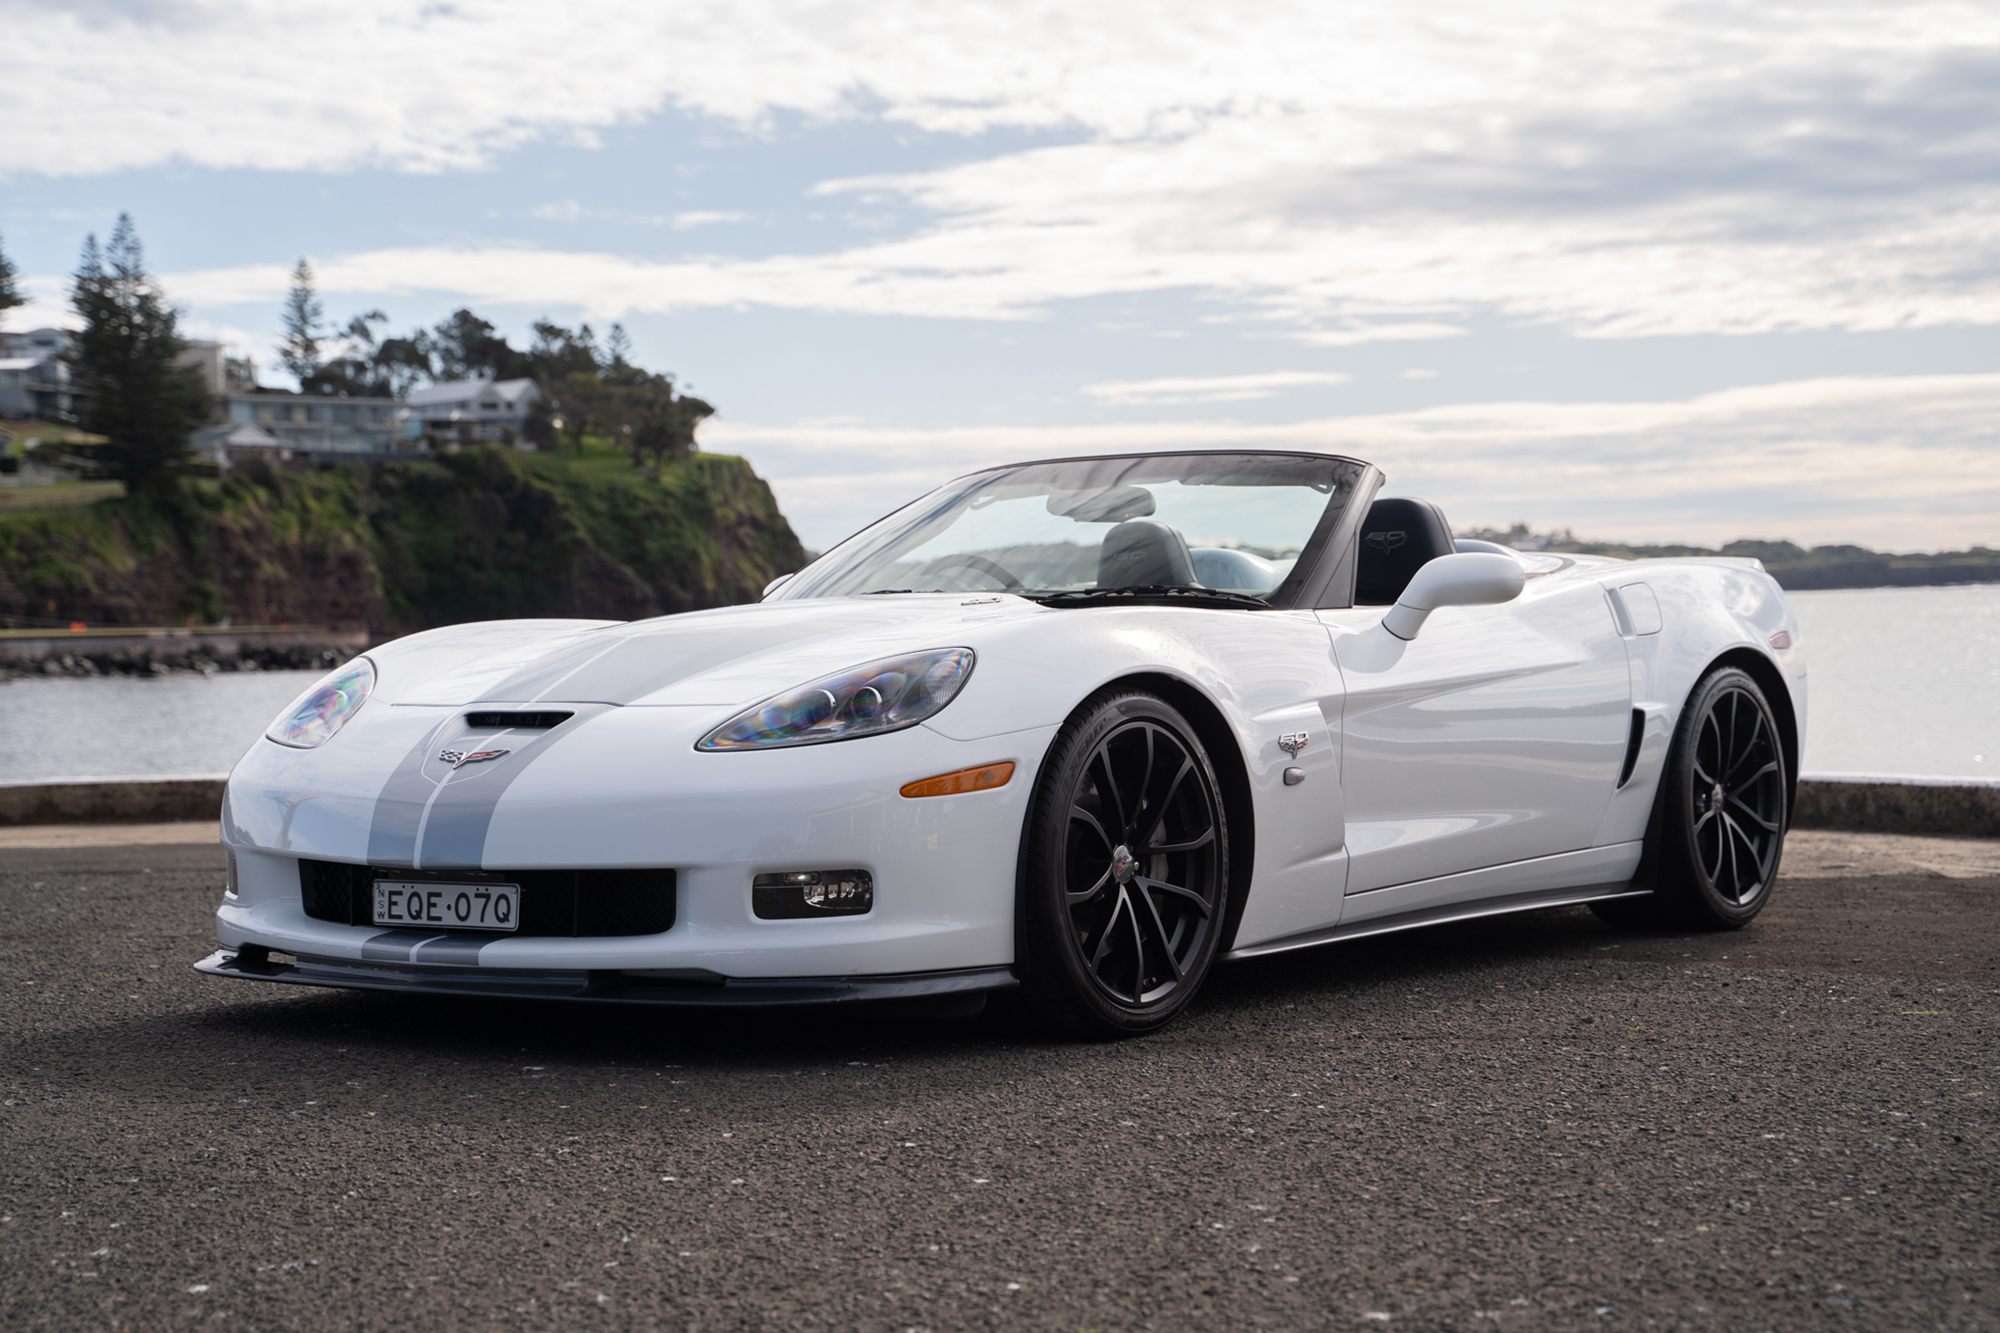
(1399, 537)
(1144, 551)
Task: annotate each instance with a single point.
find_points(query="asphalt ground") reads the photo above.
(1535, 1123)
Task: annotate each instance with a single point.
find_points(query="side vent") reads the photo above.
(516, 721)
(1632, 747)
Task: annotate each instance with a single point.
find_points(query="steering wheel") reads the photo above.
(1008, 582)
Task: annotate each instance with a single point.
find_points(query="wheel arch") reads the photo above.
(1226, 753)
(1772, 681)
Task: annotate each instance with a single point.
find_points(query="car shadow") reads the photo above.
(289, 1040)
(301, 1024)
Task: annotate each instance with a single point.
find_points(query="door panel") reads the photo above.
(1494, 736)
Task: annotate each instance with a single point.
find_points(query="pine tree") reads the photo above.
(300, 351)
(129, 385)
(10, 293)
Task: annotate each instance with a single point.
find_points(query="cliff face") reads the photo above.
(472, 536)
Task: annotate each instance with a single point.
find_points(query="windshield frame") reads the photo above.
(1322, 575)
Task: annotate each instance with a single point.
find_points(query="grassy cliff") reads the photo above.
(470, 536)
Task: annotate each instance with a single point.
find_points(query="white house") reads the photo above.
(34, 379)
(227, 445)
(326, 428)
(469, 410)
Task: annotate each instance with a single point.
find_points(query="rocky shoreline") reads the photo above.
(201, 660)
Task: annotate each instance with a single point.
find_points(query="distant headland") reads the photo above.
(1796, 568)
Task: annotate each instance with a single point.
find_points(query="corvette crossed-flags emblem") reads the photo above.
(460, 758)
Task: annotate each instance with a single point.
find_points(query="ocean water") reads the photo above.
(1903, 682)
(115, 726)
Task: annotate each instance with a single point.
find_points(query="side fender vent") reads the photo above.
(1632, 743)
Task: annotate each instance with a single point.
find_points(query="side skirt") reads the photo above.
(1437, 916)
(687, 988)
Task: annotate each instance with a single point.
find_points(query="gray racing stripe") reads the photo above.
(454, 832)
(462, 950)
(399, 810)
(451, 810)
(395, 946)
(638, 664)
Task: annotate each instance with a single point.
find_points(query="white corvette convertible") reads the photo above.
(1073, 729)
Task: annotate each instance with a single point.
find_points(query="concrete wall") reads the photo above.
(118, 801)
(1899, 805)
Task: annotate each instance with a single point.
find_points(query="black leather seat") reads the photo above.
(1144, 552)
(1398, 538)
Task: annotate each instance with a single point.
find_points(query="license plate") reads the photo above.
(400, 902)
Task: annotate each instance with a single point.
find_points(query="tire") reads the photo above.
(1724, 812)
(1124, 882)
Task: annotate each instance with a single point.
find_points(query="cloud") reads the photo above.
(1830, 460)
(1350, 172)
(236, 341)
(1207, 388)
(1378, 333)
(569, 210)
(697, 218)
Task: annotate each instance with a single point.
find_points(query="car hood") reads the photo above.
(735, 655)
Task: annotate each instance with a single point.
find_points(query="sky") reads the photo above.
(1686, 271)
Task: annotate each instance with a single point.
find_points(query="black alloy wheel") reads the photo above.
(1125, 871)
(1726, 806)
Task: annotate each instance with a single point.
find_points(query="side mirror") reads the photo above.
(775, 584)
(1468, 579)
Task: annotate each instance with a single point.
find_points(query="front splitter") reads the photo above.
(686, 989)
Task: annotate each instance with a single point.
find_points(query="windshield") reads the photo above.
(1230, 525)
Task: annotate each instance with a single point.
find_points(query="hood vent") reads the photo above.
(516, 721)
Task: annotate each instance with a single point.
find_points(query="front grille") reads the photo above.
(553, 902)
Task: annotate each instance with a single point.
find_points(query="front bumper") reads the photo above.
(684, 988)
(639, 796)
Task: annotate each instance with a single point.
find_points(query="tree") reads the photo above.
(466, 347)
(538, 425)
(10, 292)
(569, 372)
(129, 387)
(650, 419)
(367, 368)
(579, 403)
(300, 351)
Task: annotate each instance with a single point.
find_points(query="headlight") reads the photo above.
(324, 709)
(888, 695)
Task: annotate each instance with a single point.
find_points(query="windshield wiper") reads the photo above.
(1153, 592)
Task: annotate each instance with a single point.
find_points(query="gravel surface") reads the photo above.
(1534, 1124)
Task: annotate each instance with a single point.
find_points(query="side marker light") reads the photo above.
(984, 778)
(1781, 640)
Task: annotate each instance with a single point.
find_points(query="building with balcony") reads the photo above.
(469, 411)
(34, 379)
(324, 430)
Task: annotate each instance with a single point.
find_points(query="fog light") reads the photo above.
(807, 893)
